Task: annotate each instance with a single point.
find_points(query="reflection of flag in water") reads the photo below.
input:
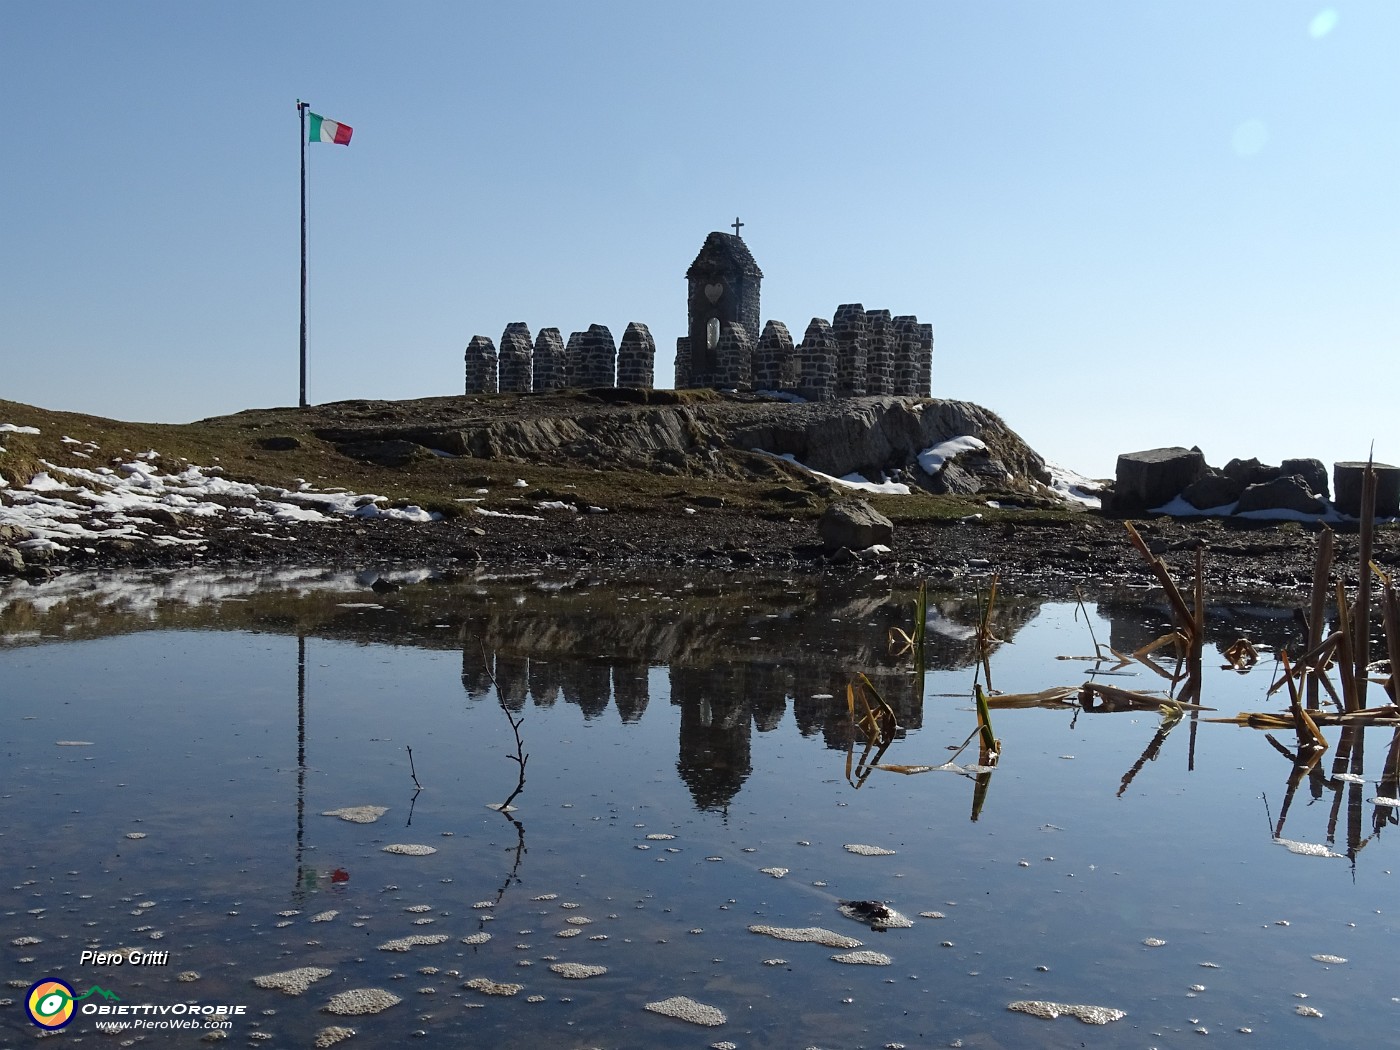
(322, 130)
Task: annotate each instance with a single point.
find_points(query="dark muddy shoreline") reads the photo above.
(1053, 558)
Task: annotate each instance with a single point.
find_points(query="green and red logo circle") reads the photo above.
(50, 1003)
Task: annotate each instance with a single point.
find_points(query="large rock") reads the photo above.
(11, 561)
(1250, 471)
(1154, 476)
(1290, 493)
(1212, 490)
(1346, 476)
(853, 524)
(1310, 470)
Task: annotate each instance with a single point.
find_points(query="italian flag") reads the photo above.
(323, 130)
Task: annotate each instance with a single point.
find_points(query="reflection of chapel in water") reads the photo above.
(732, 665)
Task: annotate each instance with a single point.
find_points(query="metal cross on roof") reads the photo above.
(736, 224)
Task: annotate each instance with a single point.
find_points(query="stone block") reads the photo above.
(1346, 481)
(1152, 477)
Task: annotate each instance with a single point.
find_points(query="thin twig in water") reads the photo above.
(520, 757)
(411, 771)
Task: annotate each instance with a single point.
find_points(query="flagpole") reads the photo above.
(301, 114)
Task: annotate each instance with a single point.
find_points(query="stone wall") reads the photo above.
(860, 352)
(589, 359)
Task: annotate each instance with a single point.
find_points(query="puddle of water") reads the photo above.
(686, 740)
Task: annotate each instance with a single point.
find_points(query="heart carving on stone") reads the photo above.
(713, 292)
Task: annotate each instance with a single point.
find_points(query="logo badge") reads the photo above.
(50, 1003)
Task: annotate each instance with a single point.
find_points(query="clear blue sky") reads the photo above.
(1131, 224)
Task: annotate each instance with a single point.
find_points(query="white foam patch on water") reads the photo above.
(577, 971)
(863, 958)
(874, 914)
(808, 935)
(292, 982)
(358, 814)
(403, 944)
(486, 986)
(359, 1001)
(1307, 849)
(331, 1035)
(1331, 960)
(1049, 1011)
(868, 851)
(684, 1008)
(409, 849)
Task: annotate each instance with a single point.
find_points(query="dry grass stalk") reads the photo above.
(1361, 625)
(1310, 737)
(1390, 617)
(1113, 698)
(875, 721)
(1346, 660)
(1185, 621)
(1055, 696)
(1322, 570)
(1241, 655)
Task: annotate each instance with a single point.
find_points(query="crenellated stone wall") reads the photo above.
(860, 352)
(589, 359)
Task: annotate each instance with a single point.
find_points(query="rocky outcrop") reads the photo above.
(873, 436)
